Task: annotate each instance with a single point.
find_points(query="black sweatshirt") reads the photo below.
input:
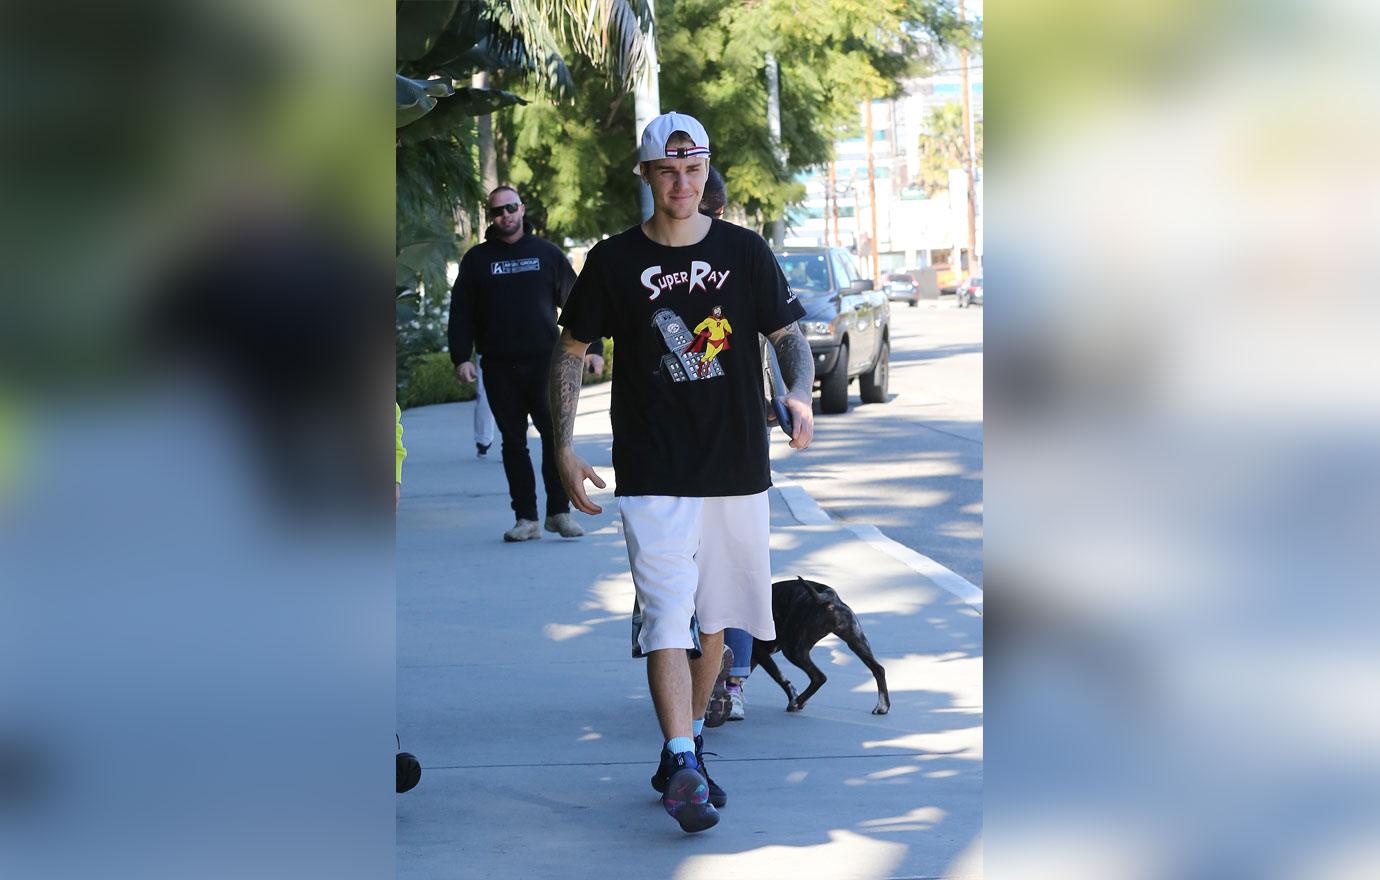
(505, 298)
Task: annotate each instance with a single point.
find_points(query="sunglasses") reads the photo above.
(499, 210)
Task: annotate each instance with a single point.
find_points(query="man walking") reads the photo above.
(504, 304)
(689, 440)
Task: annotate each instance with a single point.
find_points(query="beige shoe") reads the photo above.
(523, 530)
(565, 524)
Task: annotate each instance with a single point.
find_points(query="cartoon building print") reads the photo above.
(683, 364)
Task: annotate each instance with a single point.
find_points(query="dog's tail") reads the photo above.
(810, 588)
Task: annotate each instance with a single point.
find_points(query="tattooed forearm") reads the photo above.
(797, 364)
(564, 389)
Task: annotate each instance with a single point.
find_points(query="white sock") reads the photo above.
(677, 744)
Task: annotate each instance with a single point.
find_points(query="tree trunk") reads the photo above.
(488, 157)
(778, 224)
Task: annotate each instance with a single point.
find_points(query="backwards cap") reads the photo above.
(659, 130)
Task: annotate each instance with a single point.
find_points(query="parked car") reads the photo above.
(900, 285)
(913, 285)
(970, 292)
(847, 323)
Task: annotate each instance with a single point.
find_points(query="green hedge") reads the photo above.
(430, 378)
(587, 379)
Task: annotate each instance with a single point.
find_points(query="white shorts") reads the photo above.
(705, 557)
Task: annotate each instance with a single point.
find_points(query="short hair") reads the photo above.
(677, 138)
(715, 195)
(501, 188)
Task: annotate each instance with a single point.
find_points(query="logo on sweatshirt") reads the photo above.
(512, 267)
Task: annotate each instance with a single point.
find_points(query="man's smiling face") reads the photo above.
(677, 184)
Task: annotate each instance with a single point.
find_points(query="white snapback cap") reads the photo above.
(659, 130)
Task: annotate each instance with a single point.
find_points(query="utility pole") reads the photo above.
(974, 267)
(857, 213)
(871, 188)
(831, 206)
(647, 102)
(778, 224)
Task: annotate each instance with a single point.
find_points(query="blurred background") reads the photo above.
(196, 594)
(1182, 434)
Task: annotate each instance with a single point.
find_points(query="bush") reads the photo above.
(587, 379)
(430, 378)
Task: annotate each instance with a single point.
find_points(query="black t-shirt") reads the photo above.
(505, 299)
(687, 375)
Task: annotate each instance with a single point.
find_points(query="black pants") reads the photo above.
(517, 390)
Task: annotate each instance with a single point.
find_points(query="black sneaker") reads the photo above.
(686, 798)
(717, 796)
(481, 450)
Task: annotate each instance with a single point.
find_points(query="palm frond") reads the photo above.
(608, 32)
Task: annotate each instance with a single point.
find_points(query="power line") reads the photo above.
(952, 69)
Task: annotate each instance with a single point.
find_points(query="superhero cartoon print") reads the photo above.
(693, 354)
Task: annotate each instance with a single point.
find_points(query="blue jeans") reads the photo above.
(740, 640)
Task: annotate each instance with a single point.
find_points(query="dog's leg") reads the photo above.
(856, 640)
(764, 660)
(800, 656)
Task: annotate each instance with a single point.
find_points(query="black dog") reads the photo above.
(805, 612)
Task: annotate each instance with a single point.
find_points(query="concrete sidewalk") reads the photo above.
(536, 733)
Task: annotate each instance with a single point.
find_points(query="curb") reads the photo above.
(807, 511)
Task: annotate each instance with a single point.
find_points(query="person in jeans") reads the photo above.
(726, 702)
(689, 445)
(504, 305)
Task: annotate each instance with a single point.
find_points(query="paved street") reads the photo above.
(535, 728)
(911, 467)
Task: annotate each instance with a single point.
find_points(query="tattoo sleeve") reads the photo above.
(564, 390)
(797, 364)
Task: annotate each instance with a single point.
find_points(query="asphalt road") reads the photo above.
(912, 467)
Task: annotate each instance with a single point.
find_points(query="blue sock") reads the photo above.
(677, 744)
(699, 726)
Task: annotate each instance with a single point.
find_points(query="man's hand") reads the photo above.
(574, 471)
(397, 496)
(466, 372)
(594, 364)
(802, 423)
(798, 374)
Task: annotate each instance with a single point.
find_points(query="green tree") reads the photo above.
(573, 161)
(942, 147)
(832, 53)
(441, 44)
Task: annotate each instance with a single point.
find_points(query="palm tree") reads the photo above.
(942, 147)
(441, 45)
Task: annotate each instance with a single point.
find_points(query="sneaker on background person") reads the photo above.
(741, 643)
(523, 530)
(565, 524)
(717, 711)
(736, 708)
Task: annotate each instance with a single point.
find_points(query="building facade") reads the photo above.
(912, 230)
